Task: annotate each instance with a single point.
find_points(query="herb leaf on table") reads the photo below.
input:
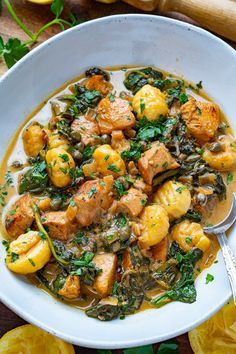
(14, 49)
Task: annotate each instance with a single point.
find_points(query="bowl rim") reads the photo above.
(26, 315)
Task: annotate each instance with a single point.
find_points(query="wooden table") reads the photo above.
(34, 17)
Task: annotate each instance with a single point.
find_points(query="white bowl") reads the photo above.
(118, 40)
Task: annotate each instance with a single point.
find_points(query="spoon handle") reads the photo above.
(230, 262)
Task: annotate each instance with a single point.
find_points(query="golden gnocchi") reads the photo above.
(34, 139)
(155, 225)
(28, 253)
(55, 140)
(190, 234)
(150, 102)
(174, 197)
(108, 161)
(60, 166)
(224, 159)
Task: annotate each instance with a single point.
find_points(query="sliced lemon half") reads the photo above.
(217, 335)
(29, 339)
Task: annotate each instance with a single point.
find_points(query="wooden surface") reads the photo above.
(35, 16)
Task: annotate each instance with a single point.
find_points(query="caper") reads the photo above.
(215, 147)
(77, 155)
(56, 203)
(17, 164)
(105, 139)
(76, 136)
(79, 146)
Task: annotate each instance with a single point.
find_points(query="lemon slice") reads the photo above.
(217, 335)
(29, 339)
(41, 2)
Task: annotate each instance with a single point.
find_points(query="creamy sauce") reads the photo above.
(42, 114)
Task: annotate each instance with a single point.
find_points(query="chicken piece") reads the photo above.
(87, 127)
(71, 288)
(20, 216)
(155, 160)
(118, 141)
(104, 280)
(97, 82)
(133, 202)
(160, 250)
(114, 114)
(202, 119)
(59, 225)
(92, 198)
(142, 186)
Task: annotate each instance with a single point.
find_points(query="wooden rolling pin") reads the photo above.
(218, 16)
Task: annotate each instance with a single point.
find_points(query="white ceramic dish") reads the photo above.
(118, 40)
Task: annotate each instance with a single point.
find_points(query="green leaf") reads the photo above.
(57, 7)
(13, 51)
(209, 278)
(168, 347)
(146, 349)
(230, 178)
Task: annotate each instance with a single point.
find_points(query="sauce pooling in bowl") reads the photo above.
(107, 186)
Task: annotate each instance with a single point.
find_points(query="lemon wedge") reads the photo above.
(41, 2)
(217, 335)
(30, 339)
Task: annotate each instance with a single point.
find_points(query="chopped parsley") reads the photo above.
(199, 85)
(165, 164)
(188, 240)
(72, 203)
(142, 107)
(112, 167)
(119, 188)
(42, 234)
(6, 244)
(183, 98)
(209, 278)
(199, 110)
(180, 189)
(31, 262)
(143, 201)
(111, 97)
(106, 157)
(92, 191)
(64, 157)
(14, 256)
(229, 178)
(63, 170)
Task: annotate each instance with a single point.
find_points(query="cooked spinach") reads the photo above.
(82, 100)
(183, 289)
(97, 71)
(34, 180)
(136, 79)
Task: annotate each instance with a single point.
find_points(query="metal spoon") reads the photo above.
(228, 256)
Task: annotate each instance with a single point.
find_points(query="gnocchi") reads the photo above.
(60, 165)
(225, 159)
(155, 225)
(34, 139)
(150, 102)
(28, 253)
(174, 197)
(55, 140)
(108, 161)
(190, 234)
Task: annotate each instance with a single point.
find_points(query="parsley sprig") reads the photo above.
(14, 49)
